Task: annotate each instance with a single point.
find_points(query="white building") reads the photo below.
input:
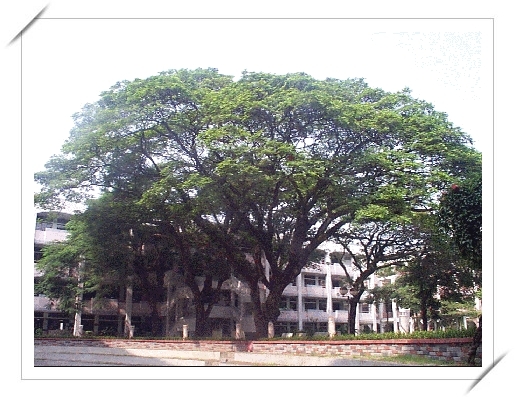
(50, 227)
(311, 304)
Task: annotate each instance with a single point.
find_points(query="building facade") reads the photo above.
(312, 303)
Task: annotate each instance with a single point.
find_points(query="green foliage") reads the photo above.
(461, 215)
(453, 333)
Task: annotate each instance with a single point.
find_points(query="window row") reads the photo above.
(291, 303)
(309, 280)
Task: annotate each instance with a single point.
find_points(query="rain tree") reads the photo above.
(268, 165)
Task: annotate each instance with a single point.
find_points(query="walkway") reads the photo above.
(68, 356)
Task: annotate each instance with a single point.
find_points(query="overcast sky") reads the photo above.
(69, 62)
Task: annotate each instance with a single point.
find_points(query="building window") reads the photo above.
(310, 280)
(365, 308)
(288, 303)
(336, 283)
(312, 327)
(388, 306)
(322, 327)
(281, 328)
(341, 305)
(315, 304)
(310, 304)
(284, 304)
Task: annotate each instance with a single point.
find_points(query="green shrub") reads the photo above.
(452, 333)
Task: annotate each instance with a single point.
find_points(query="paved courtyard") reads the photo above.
(48, 356)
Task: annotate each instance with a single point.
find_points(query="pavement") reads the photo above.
(83, 356)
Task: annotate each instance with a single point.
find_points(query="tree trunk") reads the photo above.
(423, 314)
(202, 326)
(477, 341)
(155, 319)
(260, 320)
(353, 304)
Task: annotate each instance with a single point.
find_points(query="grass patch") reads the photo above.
(407, 359)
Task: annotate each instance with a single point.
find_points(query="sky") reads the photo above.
(69, 62)
(443, 51)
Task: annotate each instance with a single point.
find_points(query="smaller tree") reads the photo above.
(383, 294)
(373, 245)
(59, 280)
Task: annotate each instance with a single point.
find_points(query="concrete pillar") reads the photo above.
(300, 306)
(329, 288)
(374, 317)
(271, 331)
(357, 324)
(128, 310)
(395, 318)
(239, 331)
(185, 331)
(381, 323)
(331, 327)
(464, 322)
(131, 331)
(77, 326)
(404, 317)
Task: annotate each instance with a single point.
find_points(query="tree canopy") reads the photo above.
(267, 165)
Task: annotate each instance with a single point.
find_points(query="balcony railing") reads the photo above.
(314, 291)
(288, 315)
(315, 316)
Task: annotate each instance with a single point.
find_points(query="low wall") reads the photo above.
(455, 350)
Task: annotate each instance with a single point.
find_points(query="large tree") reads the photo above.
(268, 165)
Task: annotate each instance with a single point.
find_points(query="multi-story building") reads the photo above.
(50, 227)
(314, 299)
(312, 303)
